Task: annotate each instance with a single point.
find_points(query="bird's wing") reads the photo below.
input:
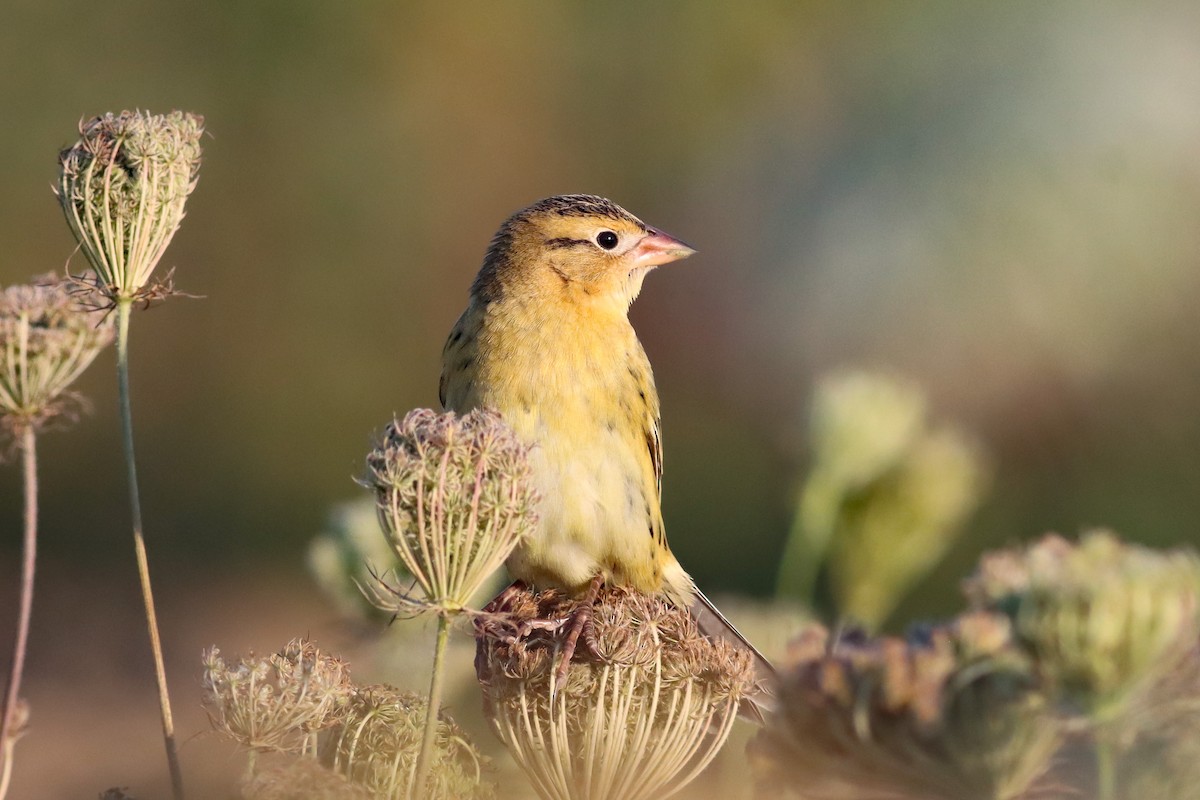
(654, 442)
(459, 364)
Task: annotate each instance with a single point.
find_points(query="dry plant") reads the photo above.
(954, 712)
(123, 187)
(1106, 622)
(302, 779)
(642, 710)
(301, 703)
(379, 741)
(276, 703)
(455, 497)
(46, 341)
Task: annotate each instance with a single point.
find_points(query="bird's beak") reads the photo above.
(657, 248)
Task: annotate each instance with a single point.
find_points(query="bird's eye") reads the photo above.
(606, 239)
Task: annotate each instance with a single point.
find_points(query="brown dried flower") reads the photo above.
(455, 497)
(952, 713)
(641, 711)
(46, 341)
(123, 187)
(1103, 619)
(277, 702)
(302, 779)
(377, 742)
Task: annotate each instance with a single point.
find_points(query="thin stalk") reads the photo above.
(25, 610)
(417, 788)
(139, 546)
(1106, 764)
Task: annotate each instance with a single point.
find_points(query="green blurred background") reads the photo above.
(1000, 201)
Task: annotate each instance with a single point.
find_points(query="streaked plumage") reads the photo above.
(546, 341)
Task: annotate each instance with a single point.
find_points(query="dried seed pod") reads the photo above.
(640, 712)
(953, 712)
(455, 497)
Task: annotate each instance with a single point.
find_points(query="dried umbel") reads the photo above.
(952, 713)
(455, 497)
(642, 710)
(48, 339)
(1104, 620)
(276, 703)
(1160, 738)
(302, 778)
(123, 187)
(377, 742)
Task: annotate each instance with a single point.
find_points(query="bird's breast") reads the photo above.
(580, 394)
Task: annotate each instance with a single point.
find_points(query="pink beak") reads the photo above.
(657, 248)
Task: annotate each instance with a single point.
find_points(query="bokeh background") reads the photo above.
(999, 201)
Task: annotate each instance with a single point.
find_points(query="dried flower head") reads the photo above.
(302, 779)
(47, 341)
(636, 717)
(951, 713)
(277, 702)
(123, 187)
(377, 742)
(455, 497)
(1104, 620)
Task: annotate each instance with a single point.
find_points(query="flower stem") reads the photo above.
(29, 463)
(1106, 765)
(139, 546)
(420, 776)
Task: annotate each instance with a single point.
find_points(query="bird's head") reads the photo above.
(581, 244)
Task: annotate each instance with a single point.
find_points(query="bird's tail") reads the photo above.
(714, 625)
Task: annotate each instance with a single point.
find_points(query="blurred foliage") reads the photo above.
(886, 495)
(997, 200)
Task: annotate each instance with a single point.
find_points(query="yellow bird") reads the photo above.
(546, 342)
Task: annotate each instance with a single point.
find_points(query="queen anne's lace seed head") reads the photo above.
(47, 338)
(953, 712)
(377, 742)
(455, 497)
(638, 715)
(123, 187)
(1104, 619)
(276, 702)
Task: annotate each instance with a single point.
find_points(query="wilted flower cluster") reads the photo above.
(302, 702)
(1103, 619)
(643, 708)
(455, 497)
(46, 341)
(953, 712)
(302, 778)
(885, 497)
(276, 702)
(377, 743)
(123, 187)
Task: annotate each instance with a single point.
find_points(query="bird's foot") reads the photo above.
(581, 628)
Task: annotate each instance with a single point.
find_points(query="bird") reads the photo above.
(546, 342)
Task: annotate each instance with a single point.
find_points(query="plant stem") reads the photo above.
(420, 776)
(1106, 765)
(139, 546)
(17, 668)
